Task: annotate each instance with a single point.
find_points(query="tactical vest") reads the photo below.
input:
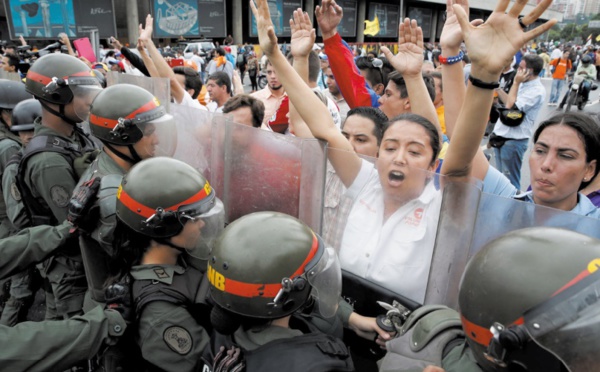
(78, 157)
(429, 333)
(313, 351)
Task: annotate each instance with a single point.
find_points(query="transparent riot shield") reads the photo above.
(266, 171)
(13, 76)
(498, 215)
(568, 324)
(191, 140)
(159, 87)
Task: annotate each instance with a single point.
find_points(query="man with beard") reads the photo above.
(333, 92)
(272, 94)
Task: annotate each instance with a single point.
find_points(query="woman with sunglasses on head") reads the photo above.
(167, 215)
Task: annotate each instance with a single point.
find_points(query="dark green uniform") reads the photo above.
(10, 144)
(51, 179)
(169, 336)
(57, 345)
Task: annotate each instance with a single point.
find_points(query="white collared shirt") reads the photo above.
(395, 254)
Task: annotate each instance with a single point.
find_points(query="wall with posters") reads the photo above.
(281, 12)
(189, 18)
(45, 19)
(388, 15)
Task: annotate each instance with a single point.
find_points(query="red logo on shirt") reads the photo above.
(418, 213)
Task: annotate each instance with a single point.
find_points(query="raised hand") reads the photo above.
(451, 33)
(146, 32)
(329, 15)
(303, 34)
(500, 36)
(266, 32)
(409, 59)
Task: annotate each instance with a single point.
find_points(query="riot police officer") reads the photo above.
(264, 268)
(166, 210)
(528, 302)
(23, 285)
(128, 120)
(51, 166)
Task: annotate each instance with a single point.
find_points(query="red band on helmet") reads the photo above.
(477, 333)
(249, 290)
(144, 211)
(35, 76)
(111, 123)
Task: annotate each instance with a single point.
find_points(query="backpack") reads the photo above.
(241, 59)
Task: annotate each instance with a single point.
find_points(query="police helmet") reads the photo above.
(120, 113)
(159, 195)
(267, 265)
(529, 301)
(56, 78)
(11, 93)
(25, 114)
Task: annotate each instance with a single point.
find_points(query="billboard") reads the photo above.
(189, 18)
(46, 19)
(388, 16)
(423, 16)
(281, 13)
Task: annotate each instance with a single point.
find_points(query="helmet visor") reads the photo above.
(325, 279)
(166, 132)
(568, 324)
(83, 96)
(212, 214)
(154, 134)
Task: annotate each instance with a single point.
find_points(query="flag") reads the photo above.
(372, 27)
(598, 38)
(589, 40)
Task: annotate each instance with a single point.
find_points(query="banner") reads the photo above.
(189, 18)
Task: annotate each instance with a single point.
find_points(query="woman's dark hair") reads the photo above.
(128, 247)
(375, 115)
(587, 129)
(430, 128)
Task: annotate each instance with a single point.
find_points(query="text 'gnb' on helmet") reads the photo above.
(62, 79)
(530, 301)
(266, 265)
(158, 196)
(123, 114)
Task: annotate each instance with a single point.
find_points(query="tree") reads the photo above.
(569, 31)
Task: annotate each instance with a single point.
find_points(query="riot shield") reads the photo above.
(190, 139)
(13, 76)
(266, 171)
(497, 215)
(159, 87)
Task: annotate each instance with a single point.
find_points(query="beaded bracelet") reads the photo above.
(451, 60)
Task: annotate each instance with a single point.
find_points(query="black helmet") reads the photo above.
(119, 113)
(54, 77)
(531, 295)
(586, 59)
(25, 114)
(266, 265)
(159, 195)
(11, 93)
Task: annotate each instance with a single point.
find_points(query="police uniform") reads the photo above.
(299, 348)
(168, 301)
(51, 178)
(57, 345)
(10, 144)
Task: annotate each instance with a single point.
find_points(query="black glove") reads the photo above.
(118, 297)
(79, 206)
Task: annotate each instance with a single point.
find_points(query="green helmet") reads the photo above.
(159, 195)
(119, 114)
(521, 285)
(55, 77)
(11, 93)
(266, 265)
(25, 114)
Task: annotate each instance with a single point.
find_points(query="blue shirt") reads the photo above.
(496, 183)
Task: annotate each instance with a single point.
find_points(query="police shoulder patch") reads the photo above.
(14, 191)
(178, 339)
(60, 196)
